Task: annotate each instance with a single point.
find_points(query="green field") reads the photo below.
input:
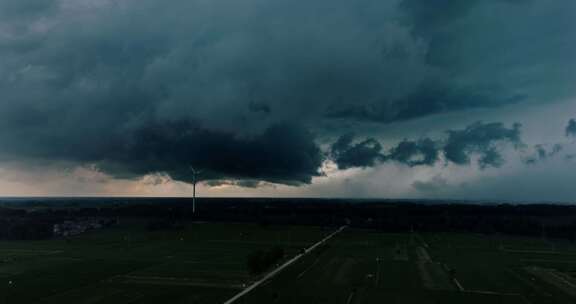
(373, 267)
(206, 263)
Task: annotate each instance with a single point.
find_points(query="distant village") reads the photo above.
(75, 227)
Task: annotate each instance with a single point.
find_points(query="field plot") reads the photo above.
(203, 263)
(360, 267)
(356, 267)
(536, 270)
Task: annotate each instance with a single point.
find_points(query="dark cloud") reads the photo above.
(480, 139)
(347, 154)
(571, 128)
(140, 86)
(477, 46)
(414, 153)
(281, 154)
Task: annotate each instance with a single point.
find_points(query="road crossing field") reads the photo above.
(206, 263)
(361, 266)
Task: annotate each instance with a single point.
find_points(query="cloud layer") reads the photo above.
(480, 140)
(247, 89)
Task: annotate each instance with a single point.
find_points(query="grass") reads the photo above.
(205, 263)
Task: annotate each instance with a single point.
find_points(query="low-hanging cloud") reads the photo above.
(283, 153)
(482, 140)
(416, 153)
(347, 154)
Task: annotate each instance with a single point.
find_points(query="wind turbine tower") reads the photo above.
(194, 174)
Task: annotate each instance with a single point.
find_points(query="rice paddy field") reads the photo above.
(206, 263)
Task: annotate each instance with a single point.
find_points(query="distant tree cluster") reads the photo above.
(537, 220)
(552, 221)
(261, 260)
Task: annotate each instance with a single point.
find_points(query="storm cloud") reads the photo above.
(283, 153)
(480, 140)
(245, 89)
(415, 153)
(347, 154)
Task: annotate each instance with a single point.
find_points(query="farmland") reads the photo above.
(369, 267)
(206, 263)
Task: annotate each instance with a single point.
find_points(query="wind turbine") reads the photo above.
(194, 173)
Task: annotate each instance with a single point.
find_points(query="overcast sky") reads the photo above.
(325, 98)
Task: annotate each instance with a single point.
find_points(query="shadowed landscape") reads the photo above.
(287, 151)
(149, 250)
